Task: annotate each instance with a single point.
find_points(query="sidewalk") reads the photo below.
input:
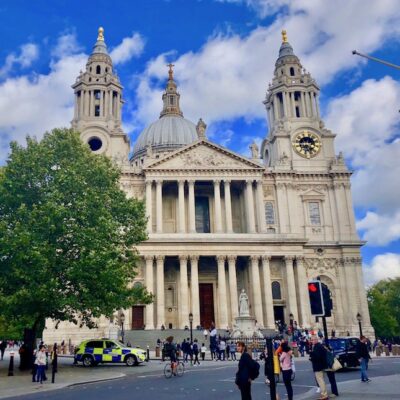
(383, 387)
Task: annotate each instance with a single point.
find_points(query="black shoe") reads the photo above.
(368, 380)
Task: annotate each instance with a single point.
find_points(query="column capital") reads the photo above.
(254, 258)
(289, 258)
(232, 258)
(183, 257)
(149, 182)
(300, 259)
(216, 182)
(266, 258)
(249, 181)
(220, 258)
(194, 258)
(159, 181)
(181, 181)
(149, 258)
(160, 257)
(227, 181)
(191, 181)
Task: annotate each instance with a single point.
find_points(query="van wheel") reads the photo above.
(87, 361)
(131, 361)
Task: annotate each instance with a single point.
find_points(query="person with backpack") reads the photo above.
(170, 351)
(286, 366)
(196, 352)
(248, 370)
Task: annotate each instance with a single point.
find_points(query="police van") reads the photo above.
(95, 351)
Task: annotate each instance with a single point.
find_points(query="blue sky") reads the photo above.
(224, 52)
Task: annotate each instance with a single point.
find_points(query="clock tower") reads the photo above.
(297, 138)
(98, 103)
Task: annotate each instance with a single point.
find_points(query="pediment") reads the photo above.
(312, 194)
(203, 155)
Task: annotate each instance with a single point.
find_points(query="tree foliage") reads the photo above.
(67, 234)
(384, 307)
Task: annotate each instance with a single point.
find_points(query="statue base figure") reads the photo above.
(246, 327)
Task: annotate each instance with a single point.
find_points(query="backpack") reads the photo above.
(254, 369)
(169, 348)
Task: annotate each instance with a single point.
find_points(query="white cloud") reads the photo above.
(227, 78)
(29, 52)
(380, 229)
(262, 7)
(383, 266)
(130, 47)
(32, 105)
(67, 45)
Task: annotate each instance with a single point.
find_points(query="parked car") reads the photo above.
(344, 349)
(95, 351)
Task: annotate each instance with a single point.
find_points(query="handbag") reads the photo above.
(336, 365)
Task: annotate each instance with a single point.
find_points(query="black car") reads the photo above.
(344, 349)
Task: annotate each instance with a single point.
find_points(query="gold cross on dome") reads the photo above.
(171, 71)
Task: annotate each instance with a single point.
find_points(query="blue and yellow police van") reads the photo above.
(94, 351)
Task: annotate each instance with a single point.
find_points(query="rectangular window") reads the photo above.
(97, 111)
(269, 213)
(171, 100)
(97, 94)
(202, 212)
(315, 217)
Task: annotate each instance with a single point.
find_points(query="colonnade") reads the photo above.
(108, 101)
(261, 300)
(254, 203)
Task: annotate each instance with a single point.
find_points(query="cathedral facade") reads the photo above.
(219, 222)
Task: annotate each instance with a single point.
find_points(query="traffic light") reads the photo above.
(326, 295)
(316, 298)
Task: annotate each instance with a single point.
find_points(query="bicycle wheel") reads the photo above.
(168, 371)
(180, 369)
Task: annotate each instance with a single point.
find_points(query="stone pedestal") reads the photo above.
(246, 327)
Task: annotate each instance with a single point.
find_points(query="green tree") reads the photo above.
(384, 307)
(67, 235)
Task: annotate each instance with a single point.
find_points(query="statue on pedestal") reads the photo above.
(243, 305)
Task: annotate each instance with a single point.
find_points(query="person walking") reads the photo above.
(232, 350)
(222, 347)
(363, 357)
(205, 333)
(330, 373)
(41, 363)
(319, 364)
(264, 356)
(286, 367)
(203, 351)
(243, 380)
(196, 352)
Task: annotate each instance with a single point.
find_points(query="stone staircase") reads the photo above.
(144, 338)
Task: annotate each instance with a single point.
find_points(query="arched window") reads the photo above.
(276, 290)
(291, 71)
(98, 70)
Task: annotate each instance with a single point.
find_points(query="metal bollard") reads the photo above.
(11, 365)
(148, 354)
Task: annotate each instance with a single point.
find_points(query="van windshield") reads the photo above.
(337, 344)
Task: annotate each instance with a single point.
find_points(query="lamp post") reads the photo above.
(122, 320)
(191, 327)
(291, 316)
(359, 319)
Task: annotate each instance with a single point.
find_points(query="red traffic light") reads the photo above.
(312, 287)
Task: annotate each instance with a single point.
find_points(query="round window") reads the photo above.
(95, 143)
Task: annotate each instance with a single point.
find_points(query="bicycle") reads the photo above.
(179, 369)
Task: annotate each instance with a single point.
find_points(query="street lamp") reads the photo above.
(191, 327)
(359, 319)
(122, 320)
(291, 316)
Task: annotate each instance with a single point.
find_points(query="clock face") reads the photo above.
(307, 144)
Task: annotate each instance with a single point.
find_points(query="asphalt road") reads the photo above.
(213, 380)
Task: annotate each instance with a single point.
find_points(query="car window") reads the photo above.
(337, 344)
(353, 344)
(111, 345)
(98, 344)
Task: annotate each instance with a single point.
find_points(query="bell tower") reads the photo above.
(98, 103)
(297, 137)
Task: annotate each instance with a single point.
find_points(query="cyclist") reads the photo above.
(170, 351)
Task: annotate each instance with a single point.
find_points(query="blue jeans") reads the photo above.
(40, 373)
(364, 367)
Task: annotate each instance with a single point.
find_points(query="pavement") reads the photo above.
(384, 381)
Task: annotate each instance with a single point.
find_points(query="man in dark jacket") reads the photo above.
(243, 380)
(363, 356)
(319, 364)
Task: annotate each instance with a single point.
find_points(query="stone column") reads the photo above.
(291, 288)
(223, 309)
(269, 302)
(250, 207)
(159, 206)
(257, 299)
(149, 207)
(303, 105)
(110, 106)
(181, 206)
(81, 103)
(101, 103)
(194, 285)
(106, 102)
(276, 110)
(184, 298)
(91, 111)
(233, 287)
(160, 292)
(150, 287)
(303, 293)
(285, 106)
(217, 207)
(192, 215)
(260, 208)
(228, 206)
(293, 103)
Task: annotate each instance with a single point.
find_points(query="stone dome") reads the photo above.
(168, 133)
